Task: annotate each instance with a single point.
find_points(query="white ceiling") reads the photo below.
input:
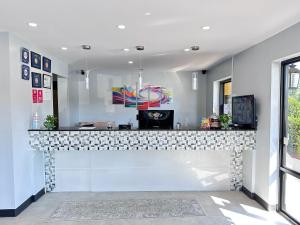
(173, 26)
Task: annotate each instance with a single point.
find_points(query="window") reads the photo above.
(225, 97)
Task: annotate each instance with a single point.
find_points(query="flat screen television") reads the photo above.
(156, 119)
(243, 111)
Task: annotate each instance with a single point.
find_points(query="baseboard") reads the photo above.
(247, 192)
(258, 199)
(38, 195)
(24, 205)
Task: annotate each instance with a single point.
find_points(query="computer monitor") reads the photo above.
(156, 119)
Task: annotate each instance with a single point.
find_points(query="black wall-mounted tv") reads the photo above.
(244, 112)
(156, 119)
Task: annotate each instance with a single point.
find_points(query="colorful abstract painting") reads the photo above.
(166, 96)
(130, 97)
(150, 96)
(154, 96)
(143, 99)
(118, 95)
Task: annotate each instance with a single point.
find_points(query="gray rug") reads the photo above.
(128, 209)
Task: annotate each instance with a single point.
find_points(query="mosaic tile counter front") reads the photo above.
(234, 141)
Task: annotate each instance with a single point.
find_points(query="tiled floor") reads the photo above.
(221, 208)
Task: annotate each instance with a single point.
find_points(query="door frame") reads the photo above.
(283, 118)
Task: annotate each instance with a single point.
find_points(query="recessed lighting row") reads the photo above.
(122, 27)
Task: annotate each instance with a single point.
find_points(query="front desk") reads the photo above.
(140, 160)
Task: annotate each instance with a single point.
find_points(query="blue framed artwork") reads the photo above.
(46, 64)
(35, 60)
(25, 55)
(36, 80)
(25, 72)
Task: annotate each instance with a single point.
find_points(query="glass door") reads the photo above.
(225, 97)
(289, 202)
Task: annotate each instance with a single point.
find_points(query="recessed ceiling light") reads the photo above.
(187, 49)
(148, 14)
(206, 28)
(121, 26)
(126, 49)
(32, 24)
(130, 62)
(64, 48)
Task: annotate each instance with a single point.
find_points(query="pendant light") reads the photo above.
(87, 72)
(140, 86)
(140, 77)
(195, 81)
(87, 80)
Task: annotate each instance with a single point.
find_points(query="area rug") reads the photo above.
(128, 209)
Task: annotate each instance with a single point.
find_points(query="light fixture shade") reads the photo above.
(87, 80)
(140, 86)
(294, 80)
(195, 81)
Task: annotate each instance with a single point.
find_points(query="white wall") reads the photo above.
(255, 72)
(24, 167)
(96, 103)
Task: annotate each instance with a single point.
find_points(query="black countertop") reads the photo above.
(97, 129)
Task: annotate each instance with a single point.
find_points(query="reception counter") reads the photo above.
(142, 160)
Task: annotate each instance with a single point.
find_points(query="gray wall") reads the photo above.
(257, 71)
(96, 104)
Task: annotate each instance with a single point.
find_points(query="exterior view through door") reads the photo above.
(290, 150)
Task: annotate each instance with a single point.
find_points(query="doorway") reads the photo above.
(289, 197)
(55, 97)
(225, 97)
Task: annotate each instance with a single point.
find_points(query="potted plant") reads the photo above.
(225, 119)
(50, 122)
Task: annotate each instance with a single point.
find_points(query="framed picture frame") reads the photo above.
(46, 64)
(47, 81)
(35, 60)
(24, 55)
(36, 80)
(25, 72)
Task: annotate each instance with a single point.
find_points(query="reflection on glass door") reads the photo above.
(225, 97)
(290, 151)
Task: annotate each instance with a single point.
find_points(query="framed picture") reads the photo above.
(46, 81)
(46, 64)
(25, 72)
(34, 96)
(36, 80)
(25, 55)
(35, 60)
(40, 97)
